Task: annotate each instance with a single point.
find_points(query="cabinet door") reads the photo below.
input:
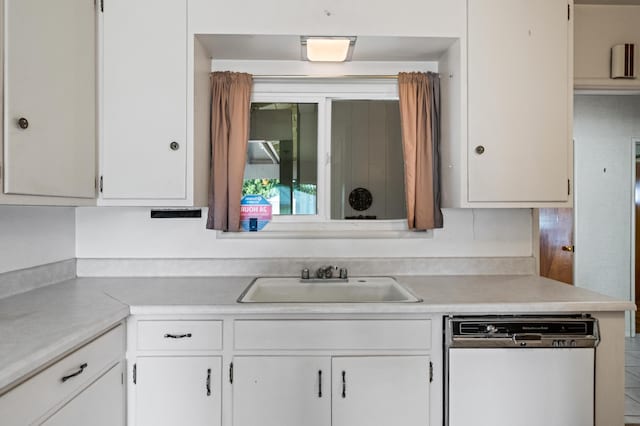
(281, 391)
(380, 391)
(101, 404)
(519, 100)
(172, 391)
(144, 78)
(50, 67)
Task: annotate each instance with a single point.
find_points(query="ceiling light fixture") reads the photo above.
(327, 49)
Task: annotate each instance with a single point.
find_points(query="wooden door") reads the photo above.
(380, 391)
(172, 391)
(556, 238)
(281, 391)
(101, 404)
(50, 65)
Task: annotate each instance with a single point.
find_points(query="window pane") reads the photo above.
(367, 168)
(282, 157)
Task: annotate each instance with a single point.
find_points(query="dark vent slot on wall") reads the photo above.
(176, 214)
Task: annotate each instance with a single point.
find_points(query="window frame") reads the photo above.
(323, 92)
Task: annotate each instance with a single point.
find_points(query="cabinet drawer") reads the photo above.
(29, 401)
(333, 334)
(180, 335)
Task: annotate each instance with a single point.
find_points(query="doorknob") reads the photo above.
(572, 249)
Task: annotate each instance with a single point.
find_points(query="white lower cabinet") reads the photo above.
(380, 391)
(172, 391)
(201, 370)
(336, 391)
(281, 391)
(77, 390)
(101, 404)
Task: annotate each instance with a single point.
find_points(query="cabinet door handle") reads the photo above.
(208, 382)
(23, 123)
(80, 371)
(176, 336)
(319, 383)
(344, 384)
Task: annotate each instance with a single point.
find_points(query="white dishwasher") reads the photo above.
(520, 370)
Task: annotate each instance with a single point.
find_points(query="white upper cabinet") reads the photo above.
(519, 146)
(509, 143)
(49, 98)
(616, 24)
(144, 98)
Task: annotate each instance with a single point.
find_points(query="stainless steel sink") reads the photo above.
(355, 290)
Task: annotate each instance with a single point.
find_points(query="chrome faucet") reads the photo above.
(326, 273)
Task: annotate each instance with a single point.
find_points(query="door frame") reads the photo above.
(635, 144)
(633, 141)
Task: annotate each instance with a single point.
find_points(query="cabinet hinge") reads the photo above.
(101, 184)
(122, 378)
(430, 372)
(568, 186)
(231, 373)
(568, 12)
(135, 374)
(101, 5)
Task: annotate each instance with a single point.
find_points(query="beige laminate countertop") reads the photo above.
(43, 325)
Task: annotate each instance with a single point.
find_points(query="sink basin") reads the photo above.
(355, 290)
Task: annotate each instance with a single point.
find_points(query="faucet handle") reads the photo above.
(328, 271)
(344, 274)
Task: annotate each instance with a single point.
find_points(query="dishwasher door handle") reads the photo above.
(522, 339)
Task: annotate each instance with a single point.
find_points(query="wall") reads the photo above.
(33, 236)
(604, 128)
(130, 233)
(329, 17)
(597, 28)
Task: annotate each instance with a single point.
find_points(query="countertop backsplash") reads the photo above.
(293, 266)
(22, 280)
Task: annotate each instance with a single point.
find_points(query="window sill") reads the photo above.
(351, 229)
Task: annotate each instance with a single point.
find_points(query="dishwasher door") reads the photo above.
(521, 386)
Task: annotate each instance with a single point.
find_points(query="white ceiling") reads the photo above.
(287, 47)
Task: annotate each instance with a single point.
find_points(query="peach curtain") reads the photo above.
(420, 120)
(230, 110)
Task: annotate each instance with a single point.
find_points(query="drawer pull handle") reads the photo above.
(176, 336)
(344, 384)
(208, 382)
(72, 375)
(319, 383)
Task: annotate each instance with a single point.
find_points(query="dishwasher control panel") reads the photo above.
(570, 331)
